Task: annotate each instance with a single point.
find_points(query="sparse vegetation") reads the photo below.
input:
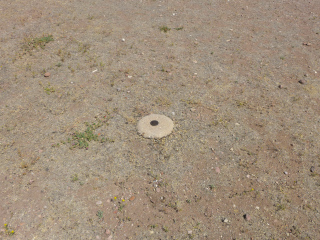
(100, 214)
(8, 231)
(241, 103)
(33, 43)
(281, 207)
(165, 29)
(166, 229)
(82, 139)
(163, 101)
(74, 178)
(49, 89)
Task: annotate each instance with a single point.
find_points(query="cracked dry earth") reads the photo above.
(239, 79)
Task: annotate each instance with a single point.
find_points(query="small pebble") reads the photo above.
(302, 81)
(99, 202)
(190, 232)
(286, 173)
(217, 170)
(158, 189)
(247, 217)
(312, 169)
(108, 232)
(225, 220)
(280, 86)
(132, 198)
(47, 74)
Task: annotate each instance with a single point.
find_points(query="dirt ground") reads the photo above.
(240, 80)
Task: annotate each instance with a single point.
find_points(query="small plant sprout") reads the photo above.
(74, 178)
(32, 43)
(100, 214)
(164, 29)
(164, 228)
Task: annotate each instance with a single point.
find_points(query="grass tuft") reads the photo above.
(33, 43)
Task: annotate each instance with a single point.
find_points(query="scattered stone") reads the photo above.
(225, 220)
(302, 81)
(280, 86)
(286, 173)
(247, 217)
(98, 237)
(217, 170)
(123, 39)
(312, 169)
(108, 232)
(190, 232)
(192, 109)
(47, 74)
(307, 44)
(99, 202)
(132, 198)
(158, 189)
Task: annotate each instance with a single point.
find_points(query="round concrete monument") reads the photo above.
(155, 126)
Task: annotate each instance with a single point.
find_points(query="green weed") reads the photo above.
(49, 89)
(74, 178)
(83, 47)
(32, 43)
(164, 228)
(281, 207)
(241, 103)
(164, 29)
(82, 139)
(121, 206)
(100, 214)
(153, 226)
